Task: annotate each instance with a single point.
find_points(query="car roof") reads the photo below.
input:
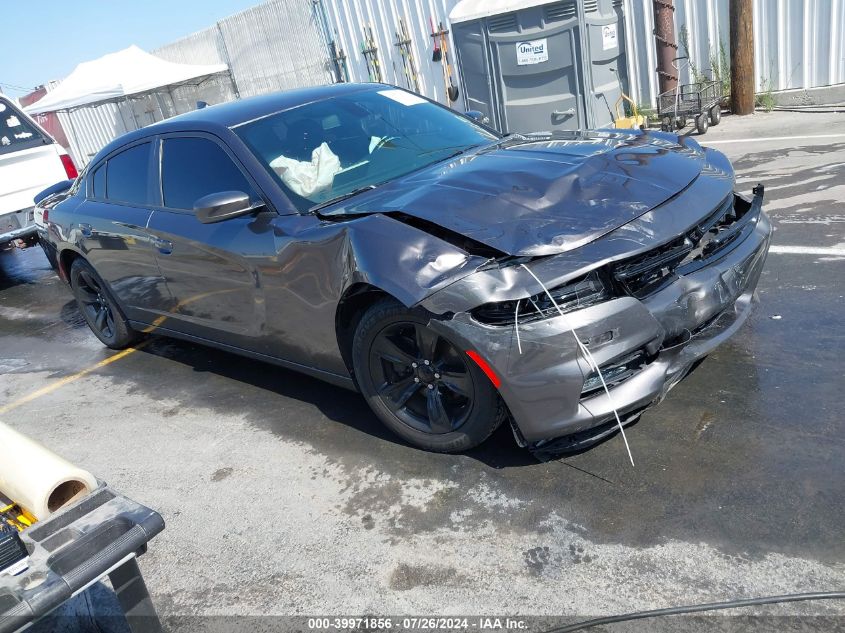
(226, 115)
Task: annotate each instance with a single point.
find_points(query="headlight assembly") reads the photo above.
(574, 295)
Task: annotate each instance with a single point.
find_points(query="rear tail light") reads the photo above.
(70, 168)
(45, 215)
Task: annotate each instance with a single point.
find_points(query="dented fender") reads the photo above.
(317, 262)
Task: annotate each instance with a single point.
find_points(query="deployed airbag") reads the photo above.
(306, 179)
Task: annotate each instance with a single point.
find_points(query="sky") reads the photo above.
(56, 35)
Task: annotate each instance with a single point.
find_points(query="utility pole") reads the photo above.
(667, 49)
(742, 56)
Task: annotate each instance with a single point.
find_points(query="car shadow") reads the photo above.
(499, 451)
(335, 403)
(19, 267)
(11, 271)
(71, 315)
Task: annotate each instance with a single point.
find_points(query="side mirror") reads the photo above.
(223, 205)
(478, 117)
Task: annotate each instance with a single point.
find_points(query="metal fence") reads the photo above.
(282, 44)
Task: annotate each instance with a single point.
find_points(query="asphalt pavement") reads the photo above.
(284, 495)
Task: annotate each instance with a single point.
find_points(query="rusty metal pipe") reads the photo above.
(667, 48)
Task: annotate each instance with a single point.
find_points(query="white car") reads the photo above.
(30, 161)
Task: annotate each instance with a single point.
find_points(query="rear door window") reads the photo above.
(193, 167)
(128, 176)
(16, 131)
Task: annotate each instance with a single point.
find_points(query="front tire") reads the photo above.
(420, 384)
(99, 308)
(701, 123)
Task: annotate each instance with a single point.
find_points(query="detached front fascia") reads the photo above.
(645, 344)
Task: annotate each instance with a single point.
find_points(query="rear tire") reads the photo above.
(98, 307)
(446, 404)
(701, 123)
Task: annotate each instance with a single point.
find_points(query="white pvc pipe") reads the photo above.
(37, 479)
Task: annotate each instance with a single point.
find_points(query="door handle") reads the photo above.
(86, 230)
(164, 247)
(562, 113)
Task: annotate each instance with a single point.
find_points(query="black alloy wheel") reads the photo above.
(419, 383)
(95, 305)
(99, 308)
(421, 377)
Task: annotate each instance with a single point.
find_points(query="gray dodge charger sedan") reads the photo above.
(374, 239)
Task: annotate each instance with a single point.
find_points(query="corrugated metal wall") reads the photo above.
(349, 17)
(797, 43)
(272, 46)
(90, 129)
(278, 45)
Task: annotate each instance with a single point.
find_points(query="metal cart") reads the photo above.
(701, 101)
(100, 535)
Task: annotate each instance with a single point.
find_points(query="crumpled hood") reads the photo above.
(543, 195)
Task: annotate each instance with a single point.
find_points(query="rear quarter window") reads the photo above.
(16, 131)
(128, 176)
(98, 182)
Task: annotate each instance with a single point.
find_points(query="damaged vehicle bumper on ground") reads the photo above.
(665, 309)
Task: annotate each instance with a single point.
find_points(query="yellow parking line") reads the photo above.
(106, 361)
(61, 382)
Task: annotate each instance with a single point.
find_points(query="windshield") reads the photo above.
(326, 150)
(16, 131)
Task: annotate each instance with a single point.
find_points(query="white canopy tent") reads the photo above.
(131, 72)
(467, 10)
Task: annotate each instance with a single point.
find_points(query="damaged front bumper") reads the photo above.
(644, 344)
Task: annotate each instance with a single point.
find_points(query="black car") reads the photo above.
(457, 278)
